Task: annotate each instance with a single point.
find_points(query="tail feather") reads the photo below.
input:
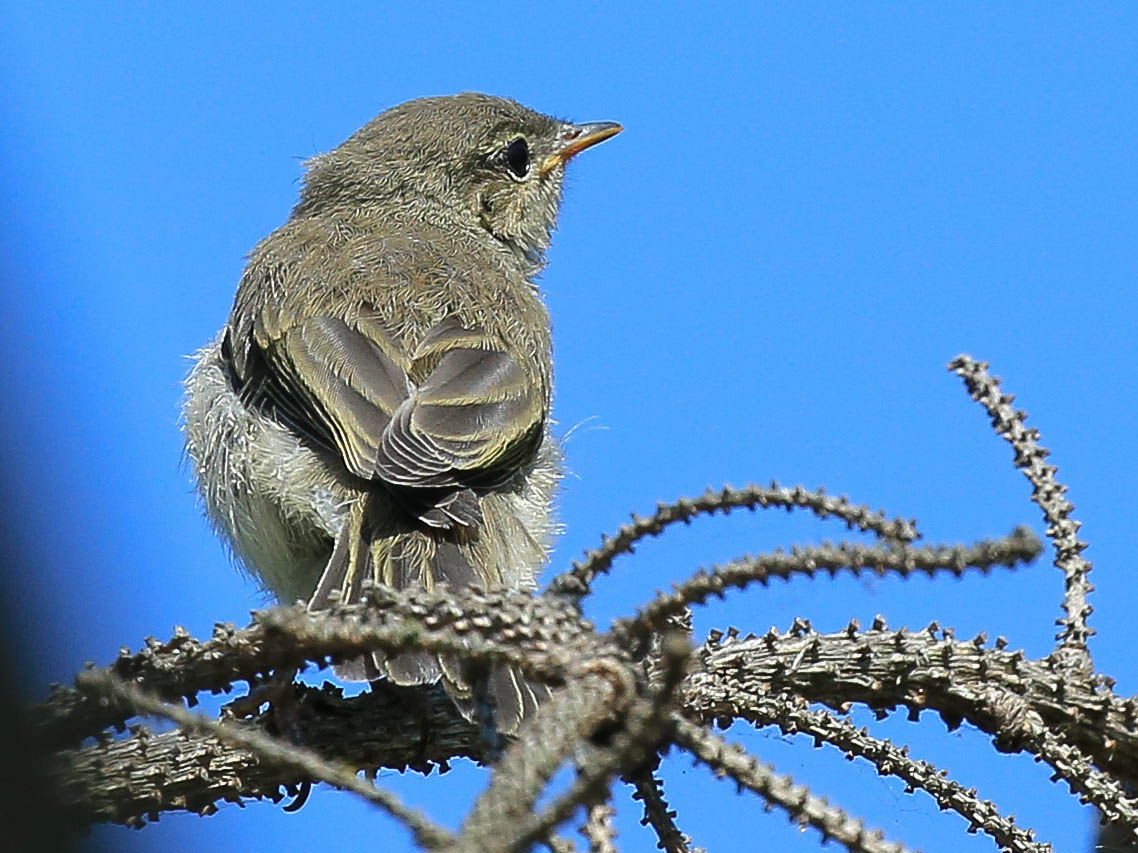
(451, 567)
(515, 697)
(416, 558)
(347, 567)
(409, 668)
(334, 573)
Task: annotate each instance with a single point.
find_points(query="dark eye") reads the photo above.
(516, 155)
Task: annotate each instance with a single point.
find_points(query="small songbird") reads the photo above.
(378, 405)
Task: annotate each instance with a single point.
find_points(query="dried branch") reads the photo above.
(541, 631)
(1050, 496)
(650, 791)
(885, 669)
(129, 779)
(644, 725)
(642, 734)
(598, 829)
(730, 679)
(504, 812)
(1073, 766)
(791, 717)
(804, 808)
(303, 762)
(1020, 547)
(577, 582)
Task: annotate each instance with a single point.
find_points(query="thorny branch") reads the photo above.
(662, 819)
(578, 580)
(296, 759)
(802, 806)
(623, 697)
(1050, 496)
(792, 716)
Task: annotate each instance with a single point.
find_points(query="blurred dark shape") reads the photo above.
(30, 811)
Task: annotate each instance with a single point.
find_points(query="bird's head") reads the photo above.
(468, 159)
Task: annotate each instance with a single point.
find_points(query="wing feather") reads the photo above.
(475, 414)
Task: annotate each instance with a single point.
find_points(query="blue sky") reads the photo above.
(811, 210)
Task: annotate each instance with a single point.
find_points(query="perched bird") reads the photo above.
(378, 405)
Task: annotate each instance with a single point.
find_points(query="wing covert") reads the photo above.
(474, 415)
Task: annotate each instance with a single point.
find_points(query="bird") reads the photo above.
(378, 405)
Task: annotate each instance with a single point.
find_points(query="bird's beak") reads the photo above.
(575, 138)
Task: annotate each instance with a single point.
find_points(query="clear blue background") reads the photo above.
(811, 210)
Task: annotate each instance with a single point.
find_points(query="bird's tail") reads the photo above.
(406, 557)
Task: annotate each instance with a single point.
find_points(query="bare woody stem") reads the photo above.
(1050, 496)
(273, 750)
(576, 583)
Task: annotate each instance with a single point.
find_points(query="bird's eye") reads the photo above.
(516, 155)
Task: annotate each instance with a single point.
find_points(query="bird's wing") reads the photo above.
(339, 382)
(470, 420)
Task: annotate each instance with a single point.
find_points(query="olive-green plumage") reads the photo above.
(378, 405)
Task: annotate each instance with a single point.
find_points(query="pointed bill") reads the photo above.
(575, 138)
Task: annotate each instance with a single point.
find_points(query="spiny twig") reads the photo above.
(657, 814)
(307, 763)
(1050, 496)
(792, 717)
(1020, 547)
(577, 582)
(804, 808)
